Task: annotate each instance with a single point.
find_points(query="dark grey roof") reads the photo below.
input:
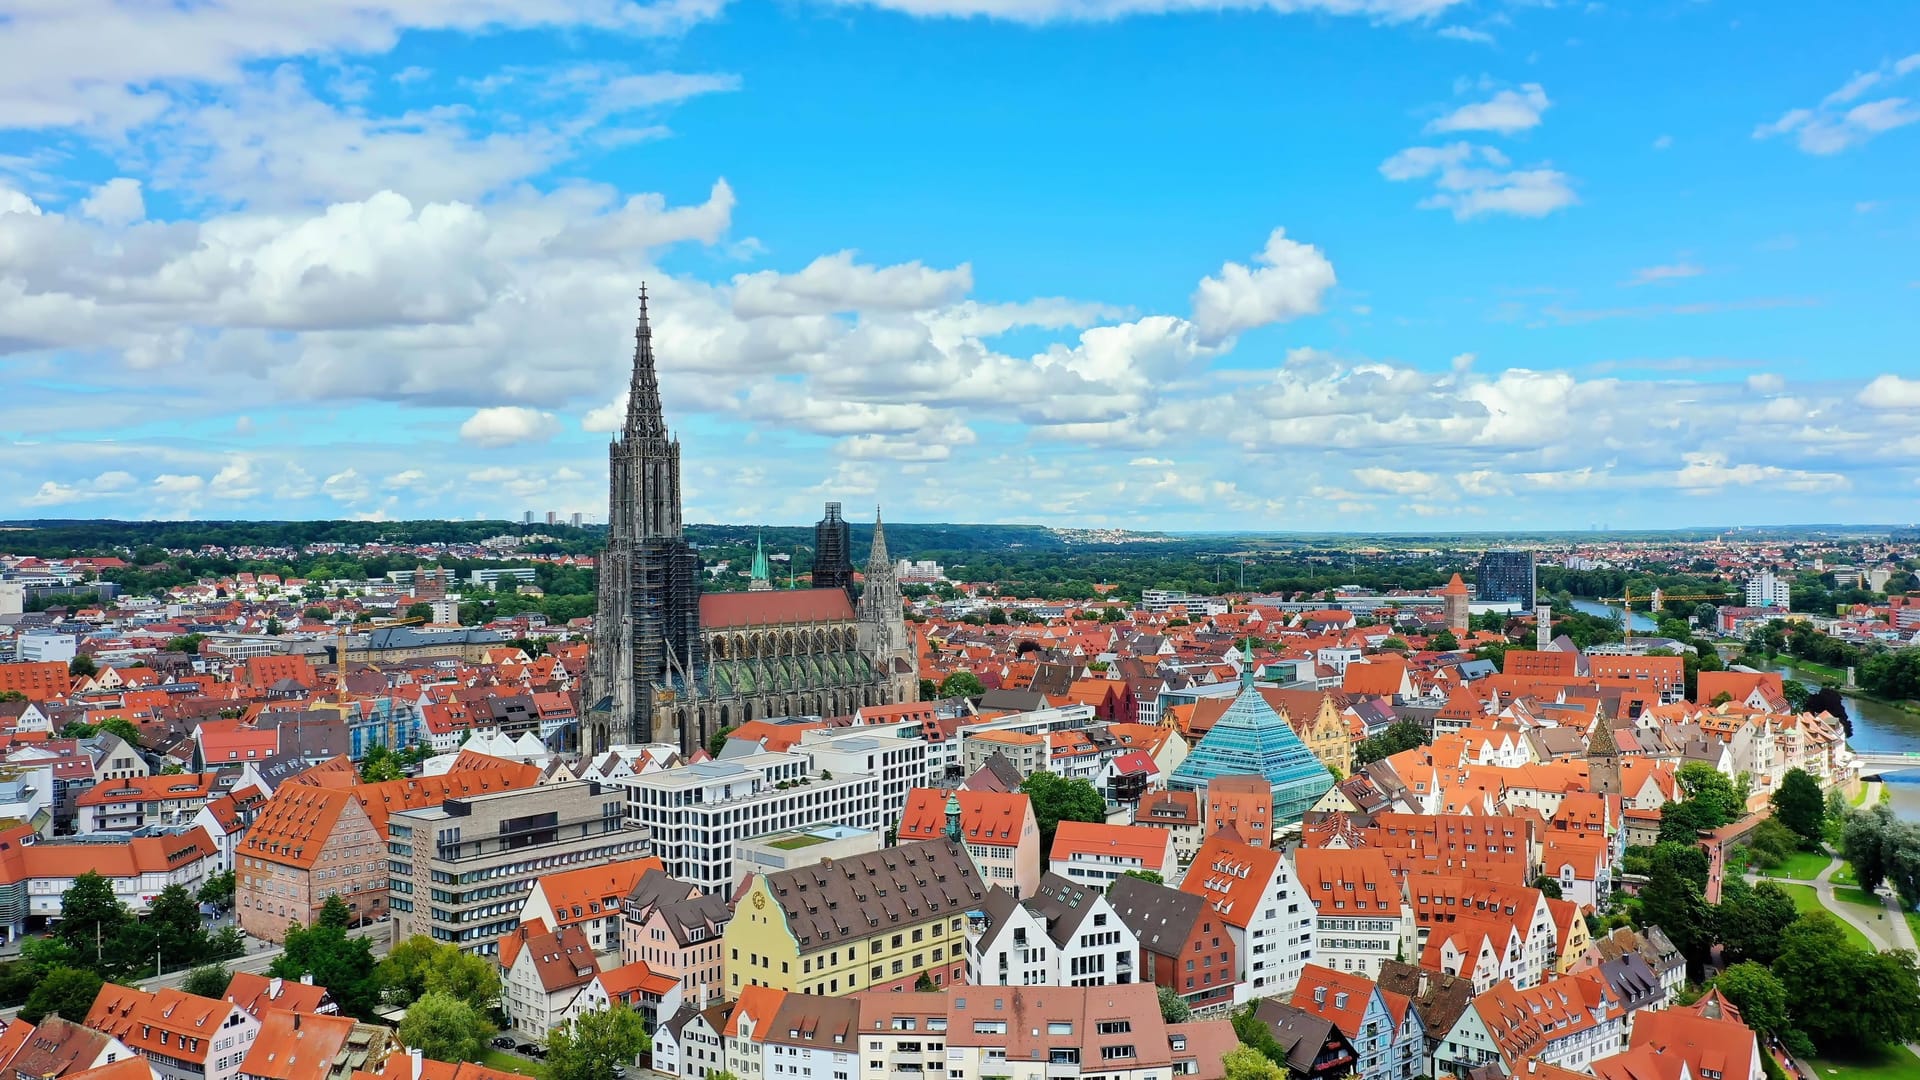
(1633, 980)
(406, 637)
(1161, 917)
(1439, 998)
(1012, 701)
(1300, 1033)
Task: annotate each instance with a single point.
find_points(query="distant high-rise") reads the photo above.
(1765, 590)
(527, 518)
(1505, 577)
(576, 519)
(833, 552)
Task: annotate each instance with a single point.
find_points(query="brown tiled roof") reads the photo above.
(832, 903)
(293, 826)
(562, 959)
(55, 1047)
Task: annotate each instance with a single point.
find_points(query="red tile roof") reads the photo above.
(779, 607)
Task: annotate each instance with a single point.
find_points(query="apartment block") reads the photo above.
(461, 871)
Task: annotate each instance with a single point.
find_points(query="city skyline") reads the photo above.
(1316, 266)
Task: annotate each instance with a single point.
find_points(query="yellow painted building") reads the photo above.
(877, 921)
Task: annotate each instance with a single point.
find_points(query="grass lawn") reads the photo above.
(514, 1063)
(1805, 900)
(1844, 875)
(1859, 798)
(1801, 865)
(1854, 894)
(1888, 1063)
(792, 843)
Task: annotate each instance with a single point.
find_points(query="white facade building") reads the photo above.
(1764, 590)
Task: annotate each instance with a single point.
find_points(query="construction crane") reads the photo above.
(341, 631)
(1657, 599)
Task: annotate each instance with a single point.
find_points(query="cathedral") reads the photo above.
(670, 663)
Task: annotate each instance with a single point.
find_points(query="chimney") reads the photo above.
(415, 1057)
(306, 978)
(1543, 633)
(273, 987)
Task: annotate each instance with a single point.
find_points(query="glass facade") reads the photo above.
(1505, 577)
(1250, 738)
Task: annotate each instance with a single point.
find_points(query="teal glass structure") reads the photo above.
(1250, 738)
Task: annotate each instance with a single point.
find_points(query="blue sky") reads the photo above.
(1365, 264)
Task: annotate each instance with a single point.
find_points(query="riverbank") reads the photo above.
(1795, 668)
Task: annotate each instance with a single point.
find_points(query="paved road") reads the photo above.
(256, 961)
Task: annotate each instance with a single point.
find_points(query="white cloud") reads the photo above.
(111, 64)
(346, 486)
(1664, 142)
(1044, 11)
(106, 485)
(835, 283)
(1462, 33)
(1474, 181)
(116, 202)
(1891, 392)
(1288, 282)
(508, 425)
(1397, 482)
(1706, 472)
(1836, 124)
(1658, 275)
(1505, 113)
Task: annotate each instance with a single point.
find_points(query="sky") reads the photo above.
(1156, 264)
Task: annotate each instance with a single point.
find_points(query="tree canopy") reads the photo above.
(445, 1028)
(1800, 805)
(591, 1045)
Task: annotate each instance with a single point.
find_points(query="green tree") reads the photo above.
(1056, 799)
(961, 684)
(1444, 641)
(1402, 735)
(67, 991)
(316, 614)
(124, 728)
(208, 981)
(90, 915)
(218, 889)
(1146, 875)
(420, 966)
(342, 964)
(1246, 1063)
(1712, 791)
(186, 643)
(1799, 805)
(82, 665)
(1174, 1008)
(717, 741)
(1394, 644)
(594, 1043)
(335, 913)
(1861, 844)
(378, 764)
(929, 690)
(1672, 901)
(11, 695)
(173, 929)
(1547, 886)
(1758, 994)
(1880, 1002)
(423, 612)
(1750, 919)
(444, 1028)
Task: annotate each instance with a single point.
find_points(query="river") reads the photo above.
(1880, 728)
(1641, 623)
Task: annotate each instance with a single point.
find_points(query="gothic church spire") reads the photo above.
(878, 558)
(645, 418)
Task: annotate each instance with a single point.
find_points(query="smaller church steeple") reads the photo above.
(953, 816)
(761, 578)
(1246, 665)
(877, 558)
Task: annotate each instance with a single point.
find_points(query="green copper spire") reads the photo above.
(761, 577)
(1246, 667)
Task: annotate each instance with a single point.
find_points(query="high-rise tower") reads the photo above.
(646, 641)
(883, 620)
(833, 552)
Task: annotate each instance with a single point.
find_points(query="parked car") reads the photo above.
(503, 1042)
(531, 1050)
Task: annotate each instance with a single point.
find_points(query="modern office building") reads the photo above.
(694, 814)
(461, 871)
(1505, 576)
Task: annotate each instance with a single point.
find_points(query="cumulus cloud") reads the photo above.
(1837, 123)
(835, 283)
(1706, 472)
(1474, 181)
(508, 425)
(1288, 281)
(116, 202)
(1505, 113)
(105, 485)
(1397, 481)
(1891, 392)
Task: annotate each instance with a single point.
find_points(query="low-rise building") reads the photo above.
(1096, 853)
(148, 802)
(1065, 934)
(589, 897)
(1184, 945)
(676, 930)
(1362, 916)
(879, 921)
(541, 969)
(999, 829)
(1268, 915)
(184, 1037)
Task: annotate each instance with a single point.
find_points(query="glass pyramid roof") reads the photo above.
(1250, 738)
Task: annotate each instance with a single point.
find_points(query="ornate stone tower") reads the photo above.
(1603, 758)
(883, 622)
(646, 626)
(833, 552)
